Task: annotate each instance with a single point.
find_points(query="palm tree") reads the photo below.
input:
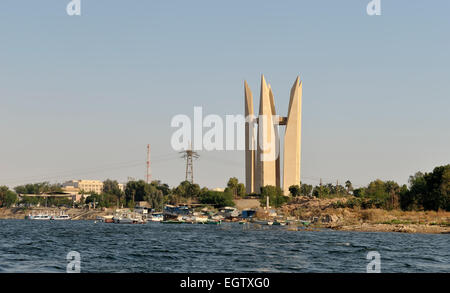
(392, 188)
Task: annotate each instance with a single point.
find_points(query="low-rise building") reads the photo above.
(82, 188)
(83, 185)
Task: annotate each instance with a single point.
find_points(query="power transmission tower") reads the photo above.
(189, 155)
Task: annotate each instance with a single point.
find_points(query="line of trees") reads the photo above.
(38, 188)
(9, 198)
(275, 195)
(426, 191)
(155, 193)
(429, 191)
(158, 194)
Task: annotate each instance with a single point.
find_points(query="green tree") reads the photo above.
(392, 189)
(437, 195)
(294, 190)
(241, 190)
(275, 194)
(217, 198)
(153, 193)
(111, 187)
(187, 190)
(165, 189)
(305, 189)
(322, 190)
(377, 189)
(135, 191)
(410, 200)
(7, 197)
(38, 188)
(154, 196)
(444, 188)
(236, 188)
(10, 198)
(359, 192)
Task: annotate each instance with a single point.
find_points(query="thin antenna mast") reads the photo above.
(148, 177)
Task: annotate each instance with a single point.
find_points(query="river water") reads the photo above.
(42, 246)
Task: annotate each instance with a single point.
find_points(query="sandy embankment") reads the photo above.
(323, 214)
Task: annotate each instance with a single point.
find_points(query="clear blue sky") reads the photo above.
(82, 96)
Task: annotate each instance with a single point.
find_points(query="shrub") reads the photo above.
(217, 198)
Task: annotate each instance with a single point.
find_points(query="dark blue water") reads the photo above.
(42, 246)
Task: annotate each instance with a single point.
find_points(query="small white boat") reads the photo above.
(201, 219)
(38, 217)
(123, 220)
(128, 220)
(156, 217)
(106, 219)
(60, 217)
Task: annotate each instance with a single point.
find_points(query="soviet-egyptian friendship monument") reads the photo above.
(262, 161)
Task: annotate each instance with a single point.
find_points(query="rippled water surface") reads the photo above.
(42, 246)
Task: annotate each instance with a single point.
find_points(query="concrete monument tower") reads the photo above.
(262, 160)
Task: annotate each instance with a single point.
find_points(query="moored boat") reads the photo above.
(172, 222)
(106, 219)
(156, 217)
(128, 220)
(40, 216)
(171, 212)
(61, 216)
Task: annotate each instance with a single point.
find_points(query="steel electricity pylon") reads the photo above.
(189, 155)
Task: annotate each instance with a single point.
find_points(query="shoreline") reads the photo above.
(336, 225)
(397, 228)
(326, 215)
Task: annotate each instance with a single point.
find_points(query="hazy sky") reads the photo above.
(81, 96)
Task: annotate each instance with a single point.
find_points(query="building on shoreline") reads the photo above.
(83, 185)
(86, 186)
(77, 188)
